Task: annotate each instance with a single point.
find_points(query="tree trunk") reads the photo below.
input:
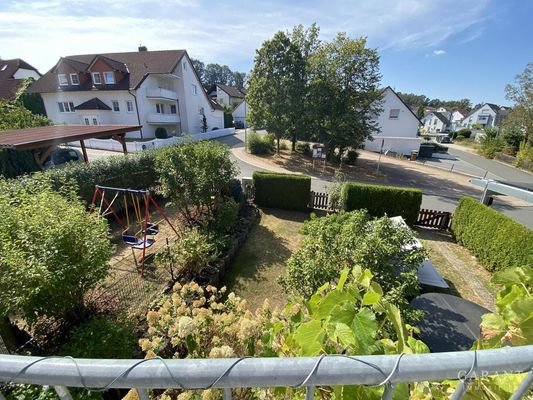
(6, 335)
(293, 143)
(278, 145)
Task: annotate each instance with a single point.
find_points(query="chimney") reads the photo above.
(143, 48)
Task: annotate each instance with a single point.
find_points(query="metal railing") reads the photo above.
(302, 372)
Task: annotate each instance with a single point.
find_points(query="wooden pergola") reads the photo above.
(42, 140)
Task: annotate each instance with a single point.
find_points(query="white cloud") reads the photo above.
(226, 32)
(439, 52)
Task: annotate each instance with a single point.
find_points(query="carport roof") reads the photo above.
(45, 136)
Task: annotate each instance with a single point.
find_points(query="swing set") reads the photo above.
(137, 232)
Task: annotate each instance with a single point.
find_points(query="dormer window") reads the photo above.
(74, 79)
(109, 78)
(62, 78)
(97, 79)
(394, 113)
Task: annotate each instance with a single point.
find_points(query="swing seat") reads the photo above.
(152, 229)
(137, 243)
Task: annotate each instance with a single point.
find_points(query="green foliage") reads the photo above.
(161, 133)
(226, 214)
(521, 94)
(30, 101)
(36, 392)
(304, 148)
(134, 171)
(204, 123)
(101, 337)
(194, 175)
(259, 145)
(380, 200)
(51, 250)
(14, 163)
(464, 133)
(285, 191)
(351, 157)
(513, 136)
(338, 319)
(193, 252)
(490, 143)
(524, 157)
(283, 146)
(350, 239)
(496, 240)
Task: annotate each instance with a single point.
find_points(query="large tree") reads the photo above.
(277, 87)
(199, 67)
(521, 94)
(345, 92)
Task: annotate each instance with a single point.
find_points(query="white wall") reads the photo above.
(123, 117)
(483, 111)
(240, 112)
(433, 124)
(222, 97)
(22, 73)
(400, 145)
(406, 125)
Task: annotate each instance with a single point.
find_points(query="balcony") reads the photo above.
(305, 372)
(162, 119)
(161, 94)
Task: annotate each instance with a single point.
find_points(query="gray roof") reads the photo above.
(233, 91)
(9, 86)
(441, 116)
(93, 104)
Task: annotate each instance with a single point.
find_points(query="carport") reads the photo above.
(42, 140)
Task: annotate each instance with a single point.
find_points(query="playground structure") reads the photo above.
(137, 232)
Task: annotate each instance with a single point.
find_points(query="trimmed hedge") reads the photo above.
(285, 191)
(134, 171)
(380, 200)
(496, 240)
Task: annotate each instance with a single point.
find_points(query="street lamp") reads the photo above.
(245, 126)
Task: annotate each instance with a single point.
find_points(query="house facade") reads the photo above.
(12, 76)
(234, 98)
(437, 122)
(153, 89)
(398, 126)
(488, 116)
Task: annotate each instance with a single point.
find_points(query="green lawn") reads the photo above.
(254, 272)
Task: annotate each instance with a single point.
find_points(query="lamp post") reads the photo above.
(245, 126)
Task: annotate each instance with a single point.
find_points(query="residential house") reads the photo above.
(153, 89)
(488, 116)
(12, 76)
(456, 118)
(437, 122)
(398, 126)
(235, 98)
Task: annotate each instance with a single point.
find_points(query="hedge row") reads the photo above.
(496, 240)
(285, 191)
(134, 171)
(380, 200)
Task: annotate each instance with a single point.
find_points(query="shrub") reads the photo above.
(194, 176)
(51, 250)
(226, 214)
(259, 145)
(283, 145)
(351, 157)
(101, 337)
(353, 238)
(215, 128)
(495, 239)
(134, 171)
(161, 133)
(524, 157)
(490, 145)
(285, 191)
(193, 252)
(380, 200)
(464, 133)
(304, 148)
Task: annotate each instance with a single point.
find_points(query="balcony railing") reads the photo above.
(160, 93)
(156, 118)
(304, 372)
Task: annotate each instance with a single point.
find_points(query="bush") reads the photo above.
(161, 133)
(285, 191)
(226, 214)
(490, 145)
(51, 250)
(352, 238)
(495, 239)
(380, 200)
(283, 145)
(351, 157)
(134, 171)
(193, 252)
(304, 148)
(101, 337)
(259, 145)
(524, 157)
(464, 133)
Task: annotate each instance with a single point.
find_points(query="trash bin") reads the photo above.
(414, 154)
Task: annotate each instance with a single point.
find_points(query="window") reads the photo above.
(109, 78)
(66, 106)
(129, 105)
(201, 110)
(62, 79)
(95, 121)
(435, 121)
(194, 90)
(394, 113)
(184, 66)
(116, 107)
(87, 121)
(173, 109)
(97, 79)
(74, 79)
(160, 108)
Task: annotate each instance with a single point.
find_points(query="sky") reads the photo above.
(446, 49)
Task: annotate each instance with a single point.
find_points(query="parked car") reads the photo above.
(445, 139)
(61, 156)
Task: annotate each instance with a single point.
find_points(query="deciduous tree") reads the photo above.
(521, 94)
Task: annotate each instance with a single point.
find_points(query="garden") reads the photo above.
(240, 278)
